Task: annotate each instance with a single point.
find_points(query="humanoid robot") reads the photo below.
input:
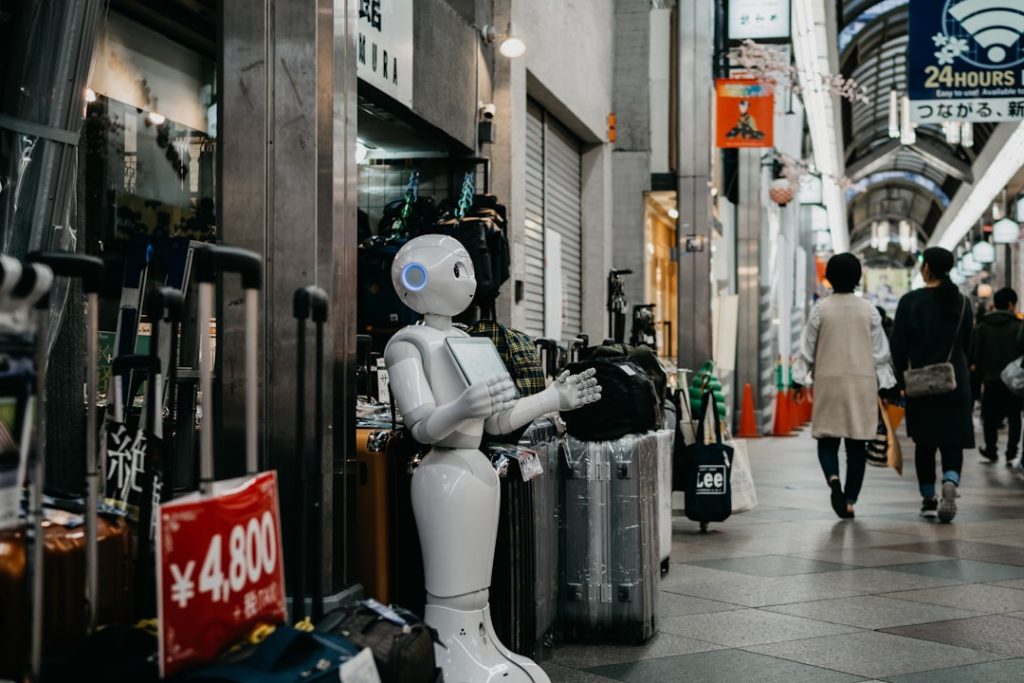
(455, 494)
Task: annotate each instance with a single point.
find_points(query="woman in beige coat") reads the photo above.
(845, 354)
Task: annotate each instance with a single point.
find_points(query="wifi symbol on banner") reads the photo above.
(996, 28)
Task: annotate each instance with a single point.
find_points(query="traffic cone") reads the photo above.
(748, 420)
(782, 426)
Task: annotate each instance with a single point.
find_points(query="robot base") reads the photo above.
(473, 654)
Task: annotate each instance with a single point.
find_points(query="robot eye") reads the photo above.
(414, 277)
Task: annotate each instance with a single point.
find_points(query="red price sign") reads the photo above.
(219, 569)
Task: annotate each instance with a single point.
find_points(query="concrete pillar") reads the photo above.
(695, 37)
(748, 265)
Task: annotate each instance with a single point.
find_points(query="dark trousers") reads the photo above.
(924, 460)
(997, 402)
(856, 463)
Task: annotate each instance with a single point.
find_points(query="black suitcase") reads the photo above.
(628, 405)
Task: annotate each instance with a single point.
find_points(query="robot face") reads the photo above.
(433, 274)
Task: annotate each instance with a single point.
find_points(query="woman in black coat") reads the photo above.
(933, 325)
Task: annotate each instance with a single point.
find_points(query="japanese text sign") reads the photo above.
(758, 19)
(966, 60)
(219, 569)
(745, 113)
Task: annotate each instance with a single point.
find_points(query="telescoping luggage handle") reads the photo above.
(27, 286)
(89, 270)
(309, 302)
(210, 260)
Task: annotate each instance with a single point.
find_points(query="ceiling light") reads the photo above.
(156, 119)
(967, 134)
(957, 277)
(907, 134)
(969, 265)
(673, 213)
(512, 47)
(1008, 160)
(90, 95)
(983, 252)
(951, 129)
(894, 114)
(1006, 231)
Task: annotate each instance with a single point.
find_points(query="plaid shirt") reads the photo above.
(518, 352)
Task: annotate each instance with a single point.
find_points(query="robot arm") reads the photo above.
(568, 392)
(428, 422)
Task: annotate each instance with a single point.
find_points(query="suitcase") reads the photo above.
(524, 578)
(610, 539)
(69, 594)
(389, 562)
(666, 441)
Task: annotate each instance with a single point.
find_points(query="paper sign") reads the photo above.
(219, 569)
(359, 669)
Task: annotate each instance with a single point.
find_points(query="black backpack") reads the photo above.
(629, 403)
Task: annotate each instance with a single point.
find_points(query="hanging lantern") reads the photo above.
(957, 277)
(967, 134)
(894, 114)
(1005, 231)
(984, 291)
(908, 136)
(781, 191)
(969, 265)
(983, 252)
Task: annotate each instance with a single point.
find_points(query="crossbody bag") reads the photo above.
(936, 379)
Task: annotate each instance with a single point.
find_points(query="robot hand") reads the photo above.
(575, 391)
(486, 398)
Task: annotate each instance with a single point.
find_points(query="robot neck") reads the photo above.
(438, 322)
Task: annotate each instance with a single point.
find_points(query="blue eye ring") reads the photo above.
(411, 267)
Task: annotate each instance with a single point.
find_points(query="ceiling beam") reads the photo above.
(939, 156)
(875, 160)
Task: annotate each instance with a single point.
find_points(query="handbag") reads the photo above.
(1013, 376)
(936, 379)
(708, 474)
(741, 480)
(884, 450)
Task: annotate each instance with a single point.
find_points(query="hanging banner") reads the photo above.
(385, 47)
(758, 19)
(966, 60)
(745, 113)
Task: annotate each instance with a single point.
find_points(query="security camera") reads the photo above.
(487, 111)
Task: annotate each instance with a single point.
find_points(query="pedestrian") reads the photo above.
(996, 344)
(933, 326)
(845, 353)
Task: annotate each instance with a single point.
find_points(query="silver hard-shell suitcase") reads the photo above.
(610, 546)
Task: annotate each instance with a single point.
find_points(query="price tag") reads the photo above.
(219, 569)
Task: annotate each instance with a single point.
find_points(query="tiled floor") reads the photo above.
(790, 593)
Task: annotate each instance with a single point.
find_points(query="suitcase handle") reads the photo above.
(210, 259)
(166, 304)
(310, 301)
(88, 269)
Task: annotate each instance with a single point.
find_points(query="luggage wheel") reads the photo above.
(703, 527)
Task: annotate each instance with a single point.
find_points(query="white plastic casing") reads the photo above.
(433, 274)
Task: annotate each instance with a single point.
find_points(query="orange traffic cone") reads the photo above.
(782, 426)
(748, 421)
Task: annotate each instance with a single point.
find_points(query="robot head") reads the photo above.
(433, 274)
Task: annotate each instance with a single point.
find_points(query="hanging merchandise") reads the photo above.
(705, 381)
(781, 191)
(745, 113)
(708, 466)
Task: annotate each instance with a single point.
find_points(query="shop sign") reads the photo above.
(219, 569)
(385, 47)
(966, 61)
(745, 113)
(758, 19)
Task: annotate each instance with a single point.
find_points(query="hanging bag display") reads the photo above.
(936, 379)
(709, 466)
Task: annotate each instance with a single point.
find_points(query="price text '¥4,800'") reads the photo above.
(251, 552)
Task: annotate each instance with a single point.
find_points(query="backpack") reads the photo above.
(641, 355)
(629, 403)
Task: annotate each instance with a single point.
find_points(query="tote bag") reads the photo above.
(709, 466)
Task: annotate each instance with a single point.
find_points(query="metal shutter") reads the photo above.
(562, 213)
(533, 233)
(553, 188)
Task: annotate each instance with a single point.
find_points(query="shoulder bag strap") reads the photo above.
(959, 324)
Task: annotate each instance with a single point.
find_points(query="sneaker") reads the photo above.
(989, 455)
(1010, 462)
(947, 505)
(929, 508)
